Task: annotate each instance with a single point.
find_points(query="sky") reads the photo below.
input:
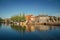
(9, 8)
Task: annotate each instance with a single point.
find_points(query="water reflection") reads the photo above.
(46, 27)
(30, 28)
(42, 27)
(33, 28)
(6, 24)
(18, 28)
(30, 31)
(0, 25)
(26, 28)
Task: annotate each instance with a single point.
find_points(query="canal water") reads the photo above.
(29, 32)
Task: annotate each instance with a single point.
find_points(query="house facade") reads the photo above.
(43, 18)
(38, 19)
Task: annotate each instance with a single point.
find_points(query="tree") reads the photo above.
(1, 19)
(19, 18)
(58, 18)
(15, 18)
(23, 17)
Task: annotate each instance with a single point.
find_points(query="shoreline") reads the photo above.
(47, 23)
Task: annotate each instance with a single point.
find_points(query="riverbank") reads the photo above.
(47, 23)
(53, 23)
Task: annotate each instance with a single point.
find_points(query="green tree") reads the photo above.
(19, 18)
(1, 19)
(15, 18)
(23, 17)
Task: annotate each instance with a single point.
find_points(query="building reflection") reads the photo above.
(46, 27)
(32, 28)
(0, 25)
(42, 27)
(18, 28)
(6, 24)
(26, 28)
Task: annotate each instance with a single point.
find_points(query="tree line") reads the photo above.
(1, 19)
(18, 18)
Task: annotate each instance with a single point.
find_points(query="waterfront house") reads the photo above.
(43, 18)
(37, 19)
(32, 19)
(28, 18)
(6, 20)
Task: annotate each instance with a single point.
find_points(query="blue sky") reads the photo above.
(9, 8)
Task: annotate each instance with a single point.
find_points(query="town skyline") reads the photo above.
(21, 14)
(10, 8)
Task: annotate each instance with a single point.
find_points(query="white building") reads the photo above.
(32, 18)
(42, 18)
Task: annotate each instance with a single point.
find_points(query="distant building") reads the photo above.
(42, 18)
(6, 20)
(32, 18)
(37, 19)
(28, 18)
